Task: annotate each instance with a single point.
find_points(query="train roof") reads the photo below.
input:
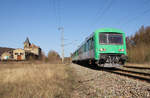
(113, 30)
(109, 30)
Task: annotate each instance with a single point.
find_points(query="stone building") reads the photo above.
(31, 50)
(7, 55)
(19, 54)
(28, 47)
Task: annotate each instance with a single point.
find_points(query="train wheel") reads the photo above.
(90, 62)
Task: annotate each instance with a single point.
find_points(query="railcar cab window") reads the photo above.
(111, 38)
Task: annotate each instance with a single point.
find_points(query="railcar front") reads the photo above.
(110, 47)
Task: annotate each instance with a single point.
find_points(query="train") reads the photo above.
(106, 47)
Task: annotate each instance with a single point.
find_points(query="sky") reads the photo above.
(40, 19)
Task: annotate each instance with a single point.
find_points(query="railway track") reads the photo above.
(140, 74)
(134, 72)
(124, 81)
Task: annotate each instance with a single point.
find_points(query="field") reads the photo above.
(44, 80)
(35, 80)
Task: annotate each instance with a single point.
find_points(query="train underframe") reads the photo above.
(111, 60)
(106, 60)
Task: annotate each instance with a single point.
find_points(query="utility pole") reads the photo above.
(62, 42)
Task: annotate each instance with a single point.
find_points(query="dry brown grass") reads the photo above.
(146, 65)
(139, 54)
(35, 80)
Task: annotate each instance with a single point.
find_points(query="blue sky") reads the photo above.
(39, 20)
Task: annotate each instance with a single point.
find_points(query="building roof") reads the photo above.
(5, 49)
(27, 40)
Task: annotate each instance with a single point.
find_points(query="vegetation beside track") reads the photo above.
(35, 80)
(138, 46)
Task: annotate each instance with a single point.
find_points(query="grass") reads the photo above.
(139, 54)
(146, 65)
(27, 80)
(139, 68)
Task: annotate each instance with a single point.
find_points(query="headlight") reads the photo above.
(121, 50)
(102, 49)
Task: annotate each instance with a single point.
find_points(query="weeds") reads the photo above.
(35, 81)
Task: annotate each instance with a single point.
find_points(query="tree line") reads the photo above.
(54, 57)
(138, 46)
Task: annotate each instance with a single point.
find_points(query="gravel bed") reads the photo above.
(96, 83)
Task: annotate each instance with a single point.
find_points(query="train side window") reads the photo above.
(84, 47)
(92, 43)
(80, 50)
(89, 42)
(77, 52)
(88, 45)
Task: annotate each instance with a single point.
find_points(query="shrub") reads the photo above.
(54, 57)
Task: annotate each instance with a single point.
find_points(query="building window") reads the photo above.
(16, 53)
(21, 53)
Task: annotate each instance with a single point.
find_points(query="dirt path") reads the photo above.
(97, 83)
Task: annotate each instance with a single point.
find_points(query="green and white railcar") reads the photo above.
(105, 47)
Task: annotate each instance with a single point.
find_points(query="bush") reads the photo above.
(43, 57)
(54, 57)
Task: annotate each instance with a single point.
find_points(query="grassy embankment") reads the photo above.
(28, 80)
